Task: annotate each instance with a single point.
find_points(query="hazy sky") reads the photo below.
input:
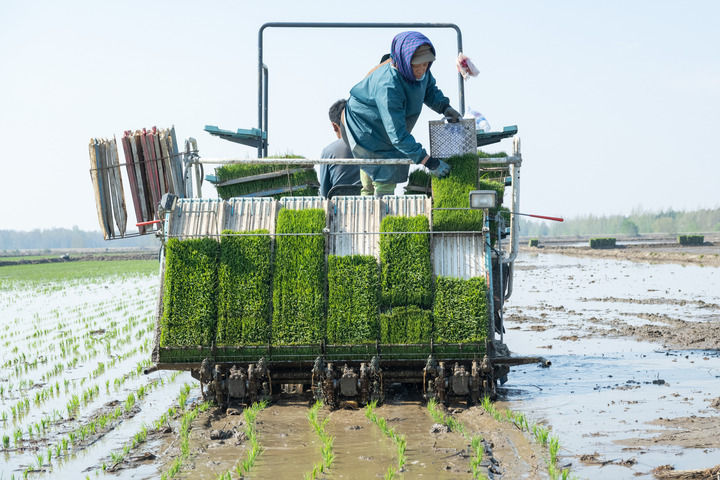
(617, 102)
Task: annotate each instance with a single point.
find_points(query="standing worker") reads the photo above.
(383, 108)
(333, 175)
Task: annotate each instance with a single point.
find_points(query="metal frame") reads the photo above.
(263, 69)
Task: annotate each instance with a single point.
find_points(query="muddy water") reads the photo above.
(290, 446)
(628, 405)
(362, 451)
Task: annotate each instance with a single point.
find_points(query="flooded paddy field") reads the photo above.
(634, 385)
(635, 376)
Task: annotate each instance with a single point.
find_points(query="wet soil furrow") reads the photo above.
(361, 450)
(289, 445)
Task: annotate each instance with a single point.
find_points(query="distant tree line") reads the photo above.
(11, 240)
(637, 223)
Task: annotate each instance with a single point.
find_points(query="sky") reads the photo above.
(617, 103)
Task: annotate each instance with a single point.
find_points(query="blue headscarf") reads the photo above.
(403, 47)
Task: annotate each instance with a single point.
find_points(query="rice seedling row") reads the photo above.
(140, 436)
(72, 358)
(243, 467)
(326, 447)
(539, 433)
(23, 406)
(477, 445)
(50, 455)
(399, 440)
(185, 424)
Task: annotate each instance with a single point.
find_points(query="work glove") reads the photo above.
(437, 167)
(451, 115)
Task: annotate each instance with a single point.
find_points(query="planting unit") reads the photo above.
(344, 295)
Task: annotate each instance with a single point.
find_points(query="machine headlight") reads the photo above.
(482, 199)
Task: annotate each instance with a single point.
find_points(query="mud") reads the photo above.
(290, 446)
(705, 255)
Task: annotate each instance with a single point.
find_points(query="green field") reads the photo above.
(54, 272)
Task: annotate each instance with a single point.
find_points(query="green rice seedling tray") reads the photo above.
(353, 299)
(691, 239)
(406, 277)
(406, 325)
(454, 190)
(602, 243)
(460, 311)
(245, 289)
(299, 278)
(419, 181)
(190, 293)
(269, 178)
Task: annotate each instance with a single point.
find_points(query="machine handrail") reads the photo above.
(263, 69)
(513, 160)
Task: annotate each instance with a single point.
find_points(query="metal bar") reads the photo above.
(514, 234)
(262, 102)
(511, 160)
(264, 141)
(464, 232)
(488, 275)
(327, 161)
(307, 161)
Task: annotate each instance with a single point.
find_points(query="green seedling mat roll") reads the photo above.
(406, 277)
(245, 289)
(353, 299)
(299, 280)
(190, 292)
(460, 311)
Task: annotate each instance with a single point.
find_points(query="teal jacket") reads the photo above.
(380, 114)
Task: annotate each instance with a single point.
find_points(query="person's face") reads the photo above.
(419, 69)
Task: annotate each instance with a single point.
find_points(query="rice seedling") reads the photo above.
(540, 433)
(477, 445)
(399, 440)
(244, 466)
(185, 423)
(602, 243)
(453, 192)
(326, 448)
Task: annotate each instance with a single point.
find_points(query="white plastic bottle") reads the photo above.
(481, 122)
